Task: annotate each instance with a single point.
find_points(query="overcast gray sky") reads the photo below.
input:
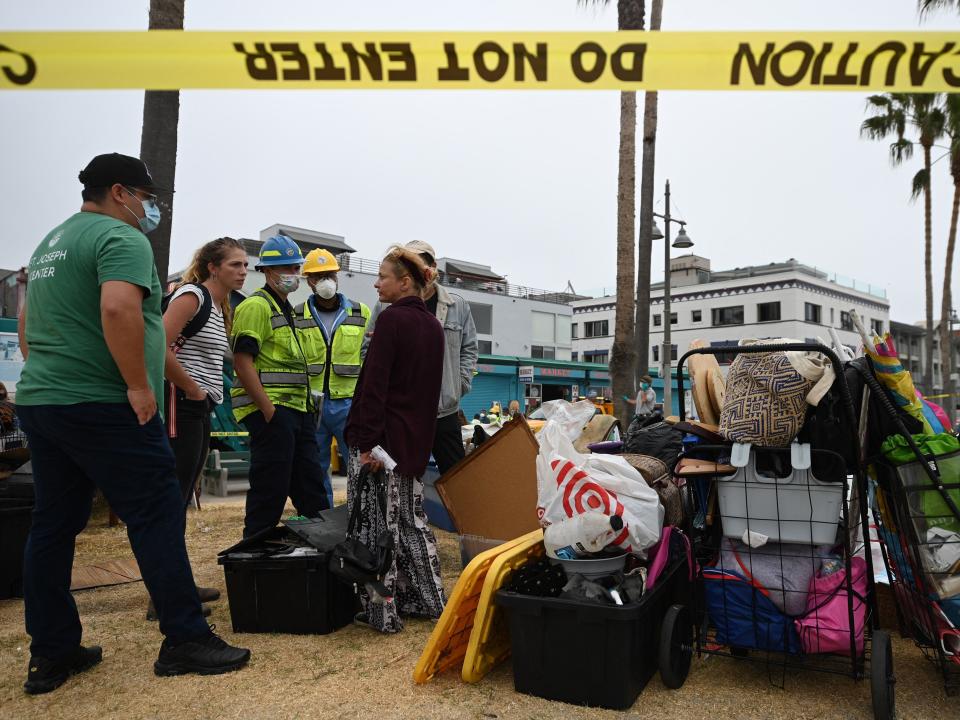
(523, 181)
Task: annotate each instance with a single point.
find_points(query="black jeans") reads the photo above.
(283, 462)
(191, 444)
(74, 449)
(448, 442)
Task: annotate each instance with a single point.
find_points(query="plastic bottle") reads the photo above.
(575, 537)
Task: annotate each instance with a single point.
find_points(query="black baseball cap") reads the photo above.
(105, 170)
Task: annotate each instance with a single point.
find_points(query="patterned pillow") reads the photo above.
(765, 401)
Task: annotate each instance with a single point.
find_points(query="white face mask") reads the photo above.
(325, 288)
(287, 283)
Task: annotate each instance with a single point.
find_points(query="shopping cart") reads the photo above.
(915, 512)
(14, 451)
(799, 593)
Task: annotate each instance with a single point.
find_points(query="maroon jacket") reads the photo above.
(395, 402)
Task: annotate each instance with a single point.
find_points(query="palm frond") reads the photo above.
(877, 127)
(926, 6)
(920, 184)
(951, 110)
(900, 151)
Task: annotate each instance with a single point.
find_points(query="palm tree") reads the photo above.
(951, 109)
(926, 6)
(645, 242)
(623, 354)
(158, 140)
(892, 114)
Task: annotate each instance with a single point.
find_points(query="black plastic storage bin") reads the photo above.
(586, 653)
(289, 594)
(15, 517)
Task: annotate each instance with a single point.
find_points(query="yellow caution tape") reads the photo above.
(229, 434)
(175, 59)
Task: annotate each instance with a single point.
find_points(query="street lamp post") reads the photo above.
(683, 241)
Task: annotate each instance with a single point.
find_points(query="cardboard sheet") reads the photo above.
(493, 491)
(105, 573)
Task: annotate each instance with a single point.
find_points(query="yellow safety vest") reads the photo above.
(343, 358)
(281, 363)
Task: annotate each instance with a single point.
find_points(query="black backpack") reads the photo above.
(197, 321)
(658, 439)
(826, 426)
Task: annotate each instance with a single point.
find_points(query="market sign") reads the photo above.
(525, 373)
(627, 60)
(491, 369)
(551, 372)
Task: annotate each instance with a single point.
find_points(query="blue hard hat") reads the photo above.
(279, 250)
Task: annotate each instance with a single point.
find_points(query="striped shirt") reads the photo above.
(202, 355)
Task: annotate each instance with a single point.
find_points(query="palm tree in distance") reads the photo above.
(623, 354)
(645, 242)
(926, 6)
(158, 140)
(951, 107)
(893, 114)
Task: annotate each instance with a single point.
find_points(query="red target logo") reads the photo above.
(582, 495)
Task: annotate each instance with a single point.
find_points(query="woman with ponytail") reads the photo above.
(395, 407)
(197, 324)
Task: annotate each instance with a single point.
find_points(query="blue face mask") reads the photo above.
(644, 386)
(151, 214)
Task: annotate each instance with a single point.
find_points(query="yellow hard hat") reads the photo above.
(319, 261)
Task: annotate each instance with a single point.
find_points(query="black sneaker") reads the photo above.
(206, 656)
(45, 675)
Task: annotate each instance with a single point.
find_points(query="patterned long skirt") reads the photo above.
(414, 578)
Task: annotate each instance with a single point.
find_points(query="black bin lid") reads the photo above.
(321, 532)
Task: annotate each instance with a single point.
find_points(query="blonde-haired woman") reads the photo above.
(197, 323)
(395, 407)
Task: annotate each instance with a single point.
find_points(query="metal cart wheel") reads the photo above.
(676, 646)
(882, 680)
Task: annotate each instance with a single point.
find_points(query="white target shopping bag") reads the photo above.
(569, 483)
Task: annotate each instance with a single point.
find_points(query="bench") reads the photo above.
(226, 472)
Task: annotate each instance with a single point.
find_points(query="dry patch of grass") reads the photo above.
(357, 673)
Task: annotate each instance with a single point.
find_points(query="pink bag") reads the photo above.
(659, 556)
(825, 627)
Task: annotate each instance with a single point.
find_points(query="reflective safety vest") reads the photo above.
(341, 362)
(281, 362)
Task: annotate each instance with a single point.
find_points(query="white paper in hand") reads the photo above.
(383, 456)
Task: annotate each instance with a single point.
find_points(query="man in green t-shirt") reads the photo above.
(93, 344)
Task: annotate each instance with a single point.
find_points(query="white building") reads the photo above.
(786, 299)
(510, 319)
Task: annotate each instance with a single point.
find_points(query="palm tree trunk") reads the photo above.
(158, 140)
(623, 355)
(928, 272)
(946, 309)
(645, 243)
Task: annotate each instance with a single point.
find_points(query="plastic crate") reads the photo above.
(15, 518)
(473, 545)
(280, 594)
(587, 653)
(798, 508)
